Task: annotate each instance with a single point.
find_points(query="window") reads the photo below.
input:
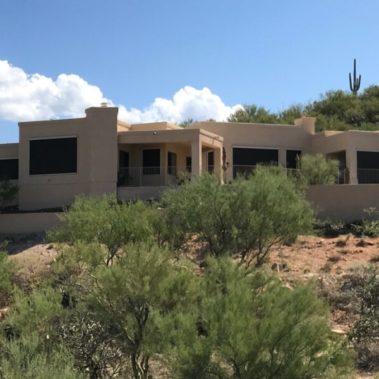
(8, 169)
(245, 159)
(211, 162)
(53, 156)
(293, 157)
(188, 164)
(151, 161)
(123, 159)
(171, 163)
(368, 166)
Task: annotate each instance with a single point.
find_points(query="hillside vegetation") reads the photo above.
(182, 289)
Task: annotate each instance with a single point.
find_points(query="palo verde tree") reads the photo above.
(104, 221)
(317, 169)
(253, 327)
(247, 217)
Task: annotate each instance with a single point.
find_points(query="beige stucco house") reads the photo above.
(56, 160)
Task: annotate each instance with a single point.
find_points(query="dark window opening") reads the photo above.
(123, 159)
(189, 164)
(53, 156)
(245, 159)
(151, 162)
(123, 168)
(8, 169)
(171, 163)
(368, 166)
(211, 162)
(293, 157)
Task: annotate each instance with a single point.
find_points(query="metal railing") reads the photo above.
(246, 170)
(147, 176)
(368, 175)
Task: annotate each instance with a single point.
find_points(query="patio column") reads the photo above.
(218, 163)
(351, 163)
(196, 154)
(282, 157)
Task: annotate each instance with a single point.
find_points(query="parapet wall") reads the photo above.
(343, 202)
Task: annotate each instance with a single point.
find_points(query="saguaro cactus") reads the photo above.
(354, 82)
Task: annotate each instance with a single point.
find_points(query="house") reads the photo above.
(56, 160)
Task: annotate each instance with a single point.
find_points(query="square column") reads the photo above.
(218, 164)
(197, 157)
(351, 164)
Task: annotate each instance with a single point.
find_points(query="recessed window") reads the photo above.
(188, 164)
(368, 166)
(293, 157)
(8, 169)
(53, 156)
(211, 161)
(171, 163)
(151, 161)
(245, 159)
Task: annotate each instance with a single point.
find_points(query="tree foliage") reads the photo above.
(247, 217)
(256, 328)
(335, 110)
(317, 169)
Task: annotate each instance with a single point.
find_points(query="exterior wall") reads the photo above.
(18, 223)
(343, 202)
(96, 160)
(281, 137)
(9, 150)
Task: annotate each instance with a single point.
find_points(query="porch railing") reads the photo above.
(147, 176)
(245, 170)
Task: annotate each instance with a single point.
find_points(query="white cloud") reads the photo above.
(186, 103)
(25, 97)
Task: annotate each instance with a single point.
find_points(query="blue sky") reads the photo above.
(270, 53)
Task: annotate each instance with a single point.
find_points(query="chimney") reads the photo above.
(307, 123)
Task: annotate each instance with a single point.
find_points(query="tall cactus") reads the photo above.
(355, 83)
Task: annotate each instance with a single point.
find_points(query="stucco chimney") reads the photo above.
(308, 123)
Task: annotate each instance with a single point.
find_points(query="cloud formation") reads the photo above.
(25, 97)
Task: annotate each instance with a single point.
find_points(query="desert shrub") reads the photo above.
(202, 206)
(104, 221)
(369, 226)
(6, 272)
(330, 228)
(246, 217)
(8, 193)
(256, 328)
(365, 333)
(270, 210)
(143, 298)
(316, 169)
(23, 358)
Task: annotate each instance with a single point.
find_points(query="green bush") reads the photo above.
(104, 221)
(364, 284)
(6, 271)
(8, 193)
(256, 328)
(370, 224)
(247, 217)
(316, 169)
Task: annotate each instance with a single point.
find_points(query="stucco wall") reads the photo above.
(343, 202)
(19, 223)
(281, 137)
(96, 160)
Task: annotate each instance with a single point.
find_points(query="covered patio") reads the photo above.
(155, 158)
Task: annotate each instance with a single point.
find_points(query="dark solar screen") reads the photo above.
(53, 156)
(8, 169)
